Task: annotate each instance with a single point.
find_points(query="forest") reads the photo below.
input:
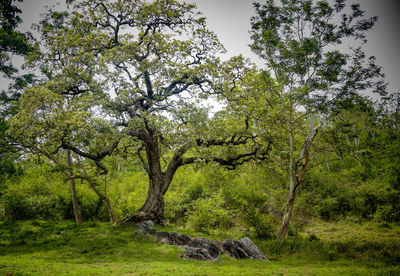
(126, 113)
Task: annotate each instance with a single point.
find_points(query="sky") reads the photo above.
(230, 20)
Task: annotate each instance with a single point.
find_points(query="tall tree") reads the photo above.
(149, 64)
(313, 50)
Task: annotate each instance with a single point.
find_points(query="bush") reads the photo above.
(15, 207)
(383, 213)
(209, 213)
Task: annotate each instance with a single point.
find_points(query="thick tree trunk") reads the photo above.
(75, 204)
(153, 208)
(159, 180)
(154, 204)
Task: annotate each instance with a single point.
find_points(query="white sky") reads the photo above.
(230, 20)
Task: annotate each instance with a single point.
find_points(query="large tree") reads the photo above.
(150, 63)
(313, 51)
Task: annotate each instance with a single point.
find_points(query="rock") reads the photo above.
(243, 249)
(198, 248)
(204, 249)
(236, 249)
(163, 237)
(180, 239)
(146, 227)
(253, 248)
(206, 244)
(198, 253)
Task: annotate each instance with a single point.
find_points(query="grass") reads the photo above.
(62, 248)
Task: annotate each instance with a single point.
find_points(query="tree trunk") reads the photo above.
(159, 181)
(154, 204)
(109, 209)
(287, 216)
(296, 173)
(153, 208)
(75, 204)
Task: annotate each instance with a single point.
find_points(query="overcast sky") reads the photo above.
(230, 20)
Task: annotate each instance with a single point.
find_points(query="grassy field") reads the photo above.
(62, 248)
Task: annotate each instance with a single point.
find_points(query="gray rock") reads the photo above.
(236, 249)
(243, 249)
(198, 253)
(197, 248)
(146, 228)
(164, 237)
(204, 249)
(253, 248)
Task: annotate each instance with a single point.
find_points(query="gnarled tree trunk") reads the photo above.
(159, 180)
(154, 204)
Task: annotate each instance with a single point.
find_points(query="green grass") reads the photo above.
(62, 248)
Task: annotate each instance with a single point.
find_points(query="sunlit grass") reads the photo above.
(61, 248)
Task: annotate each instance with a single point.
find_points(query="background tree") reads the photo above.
(57, 113)
(313, 50)
(12, 42)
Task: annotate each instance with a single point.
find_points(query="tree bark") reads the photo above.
(287, 216)
(75, 204)
(154, 204)
(159, 181)
(297, 170)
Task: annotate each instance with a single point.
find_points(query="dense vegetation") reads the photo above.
(112, 126)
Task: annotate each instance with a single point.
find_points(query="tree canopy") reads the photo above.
(121, 101)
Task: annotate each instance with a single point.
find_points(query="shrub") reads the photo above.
(208, 213)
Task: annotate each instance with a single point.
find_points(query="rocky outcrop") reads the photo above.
(202, 248)
(243, 249)
(195, 248)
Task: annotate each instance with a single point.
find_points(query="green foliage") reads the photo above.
(209, 213)
(11, 41)
(127, 192)
(42, 194)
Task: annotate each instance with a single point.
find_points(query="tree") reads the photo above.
(12, 42)
(149, 65)
(313, 50)
(46, 120)
(57, 113)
